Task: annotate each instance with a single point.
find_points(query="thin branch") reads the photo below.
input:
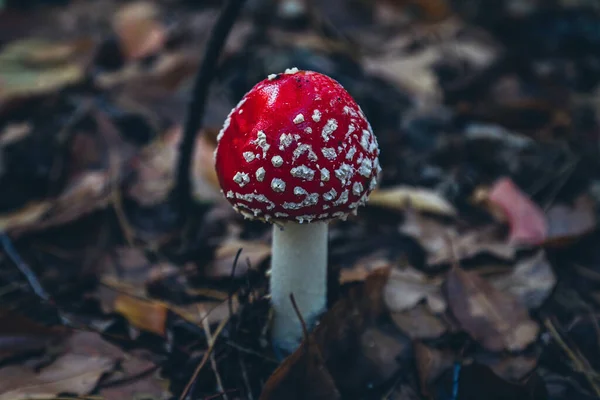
(197, 104)
(31, 277)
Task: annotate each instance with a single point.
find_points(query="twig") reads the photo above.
(213, 362)
(196, 106)
(205, 357)
(31, 277)
(579, 362)
(231, 278)
(297, 311)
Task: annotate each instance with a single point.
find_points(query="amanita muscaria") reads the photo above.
(297, 151)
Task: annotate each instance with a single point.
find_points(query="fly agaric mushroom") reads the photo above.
(297, 151)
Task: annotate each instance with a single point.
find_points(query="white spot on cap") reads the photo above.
(291, 71)
(357, 188)
(325, 174)
(303, 148)
(282, 215)
(230, 194)
(249, 156)
(350, 111)
(343, 199)
(344, 173)
(329, 153)
(309, 200)
(364, 140)
(299, 119)
(261, 198)
(277, 161)
(241, 178)
(261, 142)
(278, 185)
(351, 128)
(329, 196)
(329, 128)
(324, 215)
(308, 130)
(285, 140)
(373, 183)
(260, 174)
(302, 218)
(366, 168)
(303, 172)
(316, 115)
(299, 191)
(341, 215)
(271, 77)
(350, 153)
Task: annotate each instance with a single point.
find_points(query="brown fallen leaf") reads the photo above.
(253, 254)
(526, 220)
(406, 287)
(419, 323)
(431, 364)
(37, 66)
(531, 280)
(444, 244)
(495, 319)
(363, 267)
(20, 335)
(420, 199)
(139, 30)
(71, 373)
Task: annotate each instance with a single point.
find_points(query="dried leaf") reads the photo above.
(150, 316)
(19, 335)
(36, 66)
(431, 364)
(362, 268)
(420, 199)
(253, 254)
(419, 323)
(444, 244)
(139, 30)
(407, 287)
(71, 373)
(527, 222)
(531, 281)
(495, 319)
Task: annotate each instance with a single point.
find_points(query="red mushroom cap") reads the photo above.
(297, 147)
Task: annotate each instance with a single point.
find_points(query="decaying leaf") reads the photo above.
(150, 316)
(139, 30)
(431, 363)
(531, 280)
(406, 287)
(253, 254)
(363, 267)
(444, 244)
(527, 221)
(71, 373)
(36, 66)
(495, 319)
(20, 335)
(419, 322)
(420, 199)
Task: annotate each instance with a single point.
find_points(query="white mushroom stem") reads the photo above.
(298, 267)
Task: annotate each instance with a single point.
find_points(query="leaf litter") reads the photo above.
(472, 272)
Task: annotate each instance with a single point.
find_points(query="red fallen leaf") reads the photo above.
(527, 222)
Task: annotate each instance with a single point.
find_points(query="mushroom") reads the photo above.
(297, 151)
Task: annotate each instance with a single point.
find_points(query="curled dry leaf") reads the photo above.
(526, 220)
(444, 244)
(495, 319)
(531, 281)
(139, 30)
(71, 373)
(420, 199)
(406, 287)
